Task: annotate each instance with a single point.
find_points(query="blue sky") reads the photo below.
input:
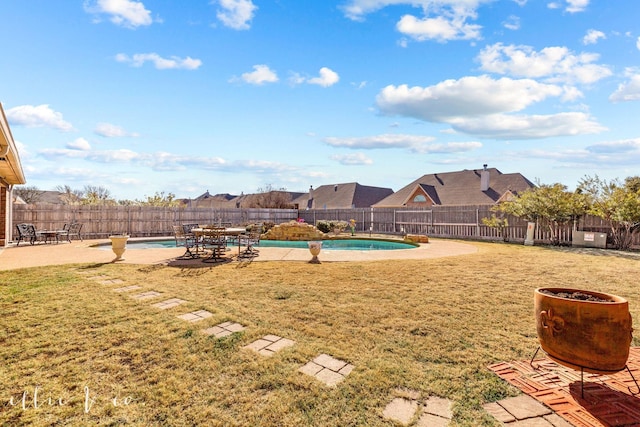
(236, 95)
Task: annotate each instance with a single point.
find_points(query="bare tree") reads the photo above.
(69, 196)
(271, 198)
(97, 195)
(30, 194)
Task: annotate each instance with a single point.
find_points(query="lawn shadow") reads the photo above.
(596, 252)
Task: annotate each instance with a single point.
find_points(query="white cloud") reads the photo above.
(593, 36)
(503, 126)
(327, 78)
(79, 144)
(468, 96)
(262, 74)
(638, 43)
(512, 23)
(628, 91)
(236, 14)
(414, 143)
(520, 2)
(112, 131)
(174, 62)
(577, 5)
(38, 116)
(555, 64)
(478, 106)
(572, 6)
(440, 28)
(614, 147)
(443, 20)
(127, 13)
(352, 159)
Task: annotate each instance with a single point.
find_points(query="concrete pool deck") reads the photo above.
(76, 252)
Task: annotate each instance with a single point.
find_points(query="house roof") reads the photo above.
(460, 188)
(10, 166)
(342, 196)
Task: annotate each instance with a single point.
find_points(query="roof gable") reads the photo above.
(461, 188)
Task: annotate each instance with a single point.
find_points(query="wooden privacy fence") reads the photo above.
(138, 221)
(462, 222)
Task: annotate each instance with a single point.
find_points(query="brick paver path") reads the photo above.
(607, 399)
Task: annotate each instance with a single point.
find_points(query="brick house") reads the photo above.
(10, 174)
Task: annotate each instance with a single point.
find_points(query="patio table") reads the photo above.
(227, 231)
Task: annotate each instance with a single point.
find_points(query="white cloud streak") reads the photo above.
(112, 131)
(414, 143)
(160, 63)
(38, 116)
(355, 159)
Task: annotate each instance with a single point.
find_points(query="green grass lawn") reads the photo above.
(94, 356)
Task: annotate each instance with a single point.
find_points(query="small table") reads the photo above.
(49, 235)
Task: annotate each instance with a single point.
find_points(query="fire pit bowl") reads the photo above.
(584, 330)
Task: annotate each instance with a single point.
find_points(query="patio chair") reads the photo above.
(26, 232)
(214, 240)
(71, 229)
(250, 239)
(187, 241)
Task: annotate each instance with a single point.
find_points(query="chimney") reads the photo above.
(310, 192)
(484, 179)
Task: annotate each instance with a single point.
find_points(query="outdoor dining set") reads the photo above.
(29, 233)
(211, 242)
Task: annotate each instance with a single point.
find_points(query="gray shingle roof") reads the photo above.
(460, 188)
(343, 196)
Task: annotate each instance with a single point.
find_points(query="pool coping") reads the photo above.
(14, 257)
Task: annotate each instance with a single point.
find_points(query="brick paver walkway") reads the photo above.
(607, 402)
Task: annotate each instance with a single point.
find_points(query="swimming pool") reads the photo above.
(338, 244)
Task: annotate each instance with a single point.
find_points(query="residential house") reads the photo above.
(10, 174)
(341, 196)
(485, 186)
(228, 201)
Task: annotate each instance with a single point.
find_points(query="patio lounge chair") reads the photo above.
(26, 232)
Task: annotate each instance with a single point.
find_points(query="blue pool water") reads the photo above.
(343, 245)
